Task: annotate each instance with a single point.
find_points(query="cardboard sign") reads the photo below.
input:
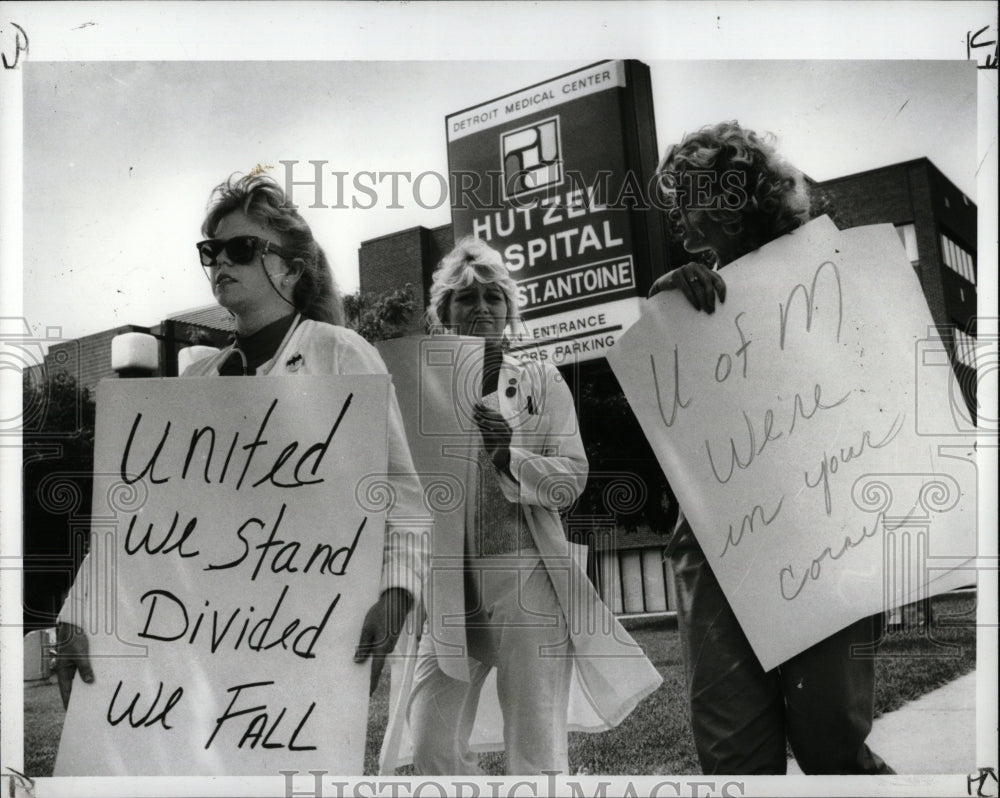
(234, 554)
(437, 382)
(807, 429)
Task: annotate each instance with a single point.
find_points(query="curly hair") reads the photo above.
(470, 259)
(755, 194)
(261, 199)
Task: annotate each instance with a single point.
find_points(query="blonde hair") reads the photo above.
(471, 260)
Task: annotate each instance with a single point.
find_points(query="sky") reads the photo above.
(120, 156)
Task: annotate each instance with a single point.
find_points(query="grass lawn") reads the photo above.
(655, 738)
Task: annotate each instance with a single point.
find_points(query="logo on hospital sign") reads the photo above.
(531, 158)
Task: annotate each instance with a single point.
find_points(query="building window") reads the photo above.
(965, 348)
(635, 581)
(908, 238)
(958, 259)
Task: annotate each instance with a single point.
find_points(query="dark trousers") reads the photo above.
(821, 700)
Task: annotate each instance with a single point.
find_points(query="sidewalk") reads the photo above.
(935, 733)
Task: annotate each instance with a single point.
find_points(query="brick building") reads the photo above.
(937, 225)
(393, 260)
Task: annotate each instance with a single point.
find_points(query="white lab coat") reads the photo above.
(611, 675)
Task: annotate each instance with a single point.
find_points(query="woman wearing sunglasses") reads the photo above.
(523, 606)
(266, 269)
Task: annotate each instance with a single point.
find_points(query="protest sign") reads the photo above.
(235, 551)
(787, 425)
(438, 381)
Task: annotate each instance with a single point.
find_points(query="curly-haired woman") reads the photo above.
(733, 194)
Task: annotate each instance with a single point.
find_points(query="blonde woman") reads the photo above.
(527, 605)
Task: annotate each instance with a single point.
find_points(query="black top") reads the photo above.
(252, 351)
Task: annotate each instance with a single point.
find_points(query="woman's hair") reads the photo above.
(471, 259)
(260, 197)
(754, 194)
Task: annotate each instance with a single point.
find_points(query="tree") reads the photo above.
(57, 480)
(378, 316)
(822, 203)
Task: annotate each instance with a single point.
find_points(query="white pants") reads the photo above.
(518, 628)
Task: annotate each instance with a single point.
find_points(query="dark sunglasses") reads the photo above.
(240, 250)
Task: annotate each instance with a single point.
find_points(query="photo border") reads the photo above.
(362, 31)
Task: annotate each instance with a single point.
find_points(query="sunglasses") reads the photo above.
(240, 250)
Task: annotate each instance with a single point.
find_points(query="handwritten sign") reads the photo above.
(232, 561)
(787, 424)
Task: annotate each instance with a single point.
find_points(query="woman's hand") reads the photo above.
(380, 631)
(496, 434)
(72, 653)
(697, 282)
